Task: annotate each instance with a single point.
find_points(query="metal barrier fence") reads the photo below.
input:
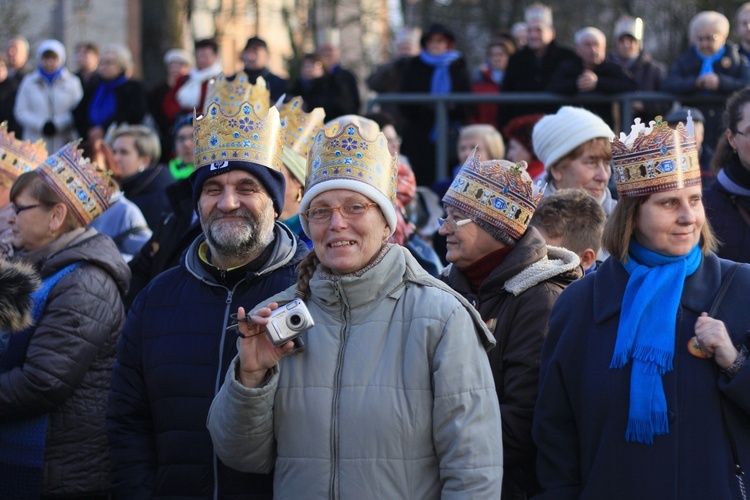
(441, 101)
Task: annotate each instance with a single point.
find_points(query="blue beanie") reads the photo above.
(272, 180)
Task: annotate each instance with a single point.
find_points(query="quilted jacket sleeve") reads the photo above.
(240, 422)
(466, 414)
(77, 321)
(129, 425)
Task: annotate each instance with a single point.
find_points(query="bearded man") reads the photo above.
(175, 348)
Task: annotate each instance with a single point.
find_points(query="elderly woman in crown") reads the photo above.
(392, 394)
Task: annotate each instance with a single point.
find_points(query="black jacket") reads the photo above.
(147, 189)
(132, 107)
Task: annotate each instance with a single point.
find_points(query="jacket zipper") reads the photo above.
(333, 487)
(227, 311)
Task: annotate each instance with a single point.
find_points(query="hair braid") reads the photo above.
(305, 273)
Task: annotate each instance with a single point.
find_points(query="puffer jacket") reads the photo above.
(172, 357)
(516, 300)
(38, 102)
(69, 362)
(392, 398)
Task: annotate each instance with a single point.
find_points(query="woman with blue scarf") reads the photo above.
(438, 69)
(642, 393)
(47, 97)
(712, 66)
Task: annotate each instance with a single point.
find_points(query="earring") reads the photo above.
(299, 194)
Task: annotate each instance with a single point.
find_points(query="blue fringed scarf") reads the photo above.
(104, 103)
(646, 334)
(441, 78)
(22, 441)
(707, 62)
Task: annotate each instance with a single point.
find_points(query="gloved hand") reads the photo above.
(49, 128)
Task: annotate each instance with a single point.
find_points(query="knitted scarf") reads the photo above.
(441, 77)
(646, 334)
(104, 103)
(22, 441)
(707, 62)
(50, 77)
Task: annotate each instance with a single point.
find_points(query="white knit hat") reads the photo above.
(53, 46)
(557, 135)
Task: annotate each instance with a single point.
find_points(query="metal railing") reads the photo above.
(441, 102)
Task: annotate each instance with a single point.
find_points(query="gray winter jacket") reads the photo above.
(393, 397)
(69, 363)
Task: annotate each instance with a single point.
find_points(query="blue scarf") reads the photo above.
(104, 103)
(22, 441)
(708, 61)
(646, 333)
(441, 77)
(50, 77)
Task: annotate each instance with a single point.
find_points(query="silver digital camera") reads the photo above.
(288, 322)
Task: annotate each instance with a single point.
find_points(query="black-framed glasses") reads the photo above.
(743, 134)
(452, 225)
(324, 214)
(20, 208)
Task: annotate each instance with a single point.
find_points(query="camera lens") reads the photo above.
(295, 319)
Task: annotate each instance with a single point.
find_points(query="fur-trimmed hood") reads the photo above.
(17, 282)
(557, 261)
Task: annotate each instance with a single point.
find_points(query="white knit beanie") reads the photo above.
(51, 46)
(557, 135)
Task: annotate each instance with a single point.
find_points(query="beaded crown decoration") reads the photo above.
(300, 128)
(230, 92)
(239, 125)
(18, 157)
(498, 192)
(655, 158)
(84, 188)
(344, 154)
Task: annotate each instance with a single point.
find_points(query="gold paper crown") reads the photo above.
(231, 92)
(498, 194)
(347, 155)
(300, 128)
(243, 136)
(655, 159)
(83, 187)
(18, 157)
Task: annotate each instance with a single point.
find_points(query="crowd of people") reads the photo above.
(238, 286)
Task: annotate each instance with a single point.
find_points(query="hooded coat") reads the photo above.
(69, 361)
(515, 301)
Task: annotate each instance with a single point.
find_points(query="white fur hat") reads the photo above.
(557, 135)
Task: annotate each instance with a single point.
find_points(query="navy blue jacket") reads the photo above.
(172, 359)
(728, 224)
(582, 408)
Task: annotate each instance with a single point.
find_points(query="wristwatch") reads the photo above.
(738, 363)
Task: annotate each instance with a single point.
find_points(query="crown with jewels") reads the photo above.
(84, 188)
(231, 92)
(238, 126)
(300, 128)
(348, 156)
(497, 194)
(18, 157)
(655, 158)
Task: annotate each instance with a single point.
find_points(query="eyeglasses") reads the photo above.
(707, 38)
(744, 134)
(324, 214)
(20, 208)
(452, 225)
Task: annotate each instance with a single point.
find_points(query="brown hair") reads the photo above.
(574, 216)
(305, 273)
(733, 113)
(600, 146)
(621, 226)
(33, 184)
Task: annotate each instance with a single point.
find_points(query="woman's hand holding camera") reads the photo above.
(257, 352)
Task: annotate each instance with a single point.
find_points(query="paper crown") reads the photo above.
(347, 155)
(238, 126)
(84, 188)
(498, 195)
(300, 128)
(655, 158)
(18, 157)
(231, 92)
